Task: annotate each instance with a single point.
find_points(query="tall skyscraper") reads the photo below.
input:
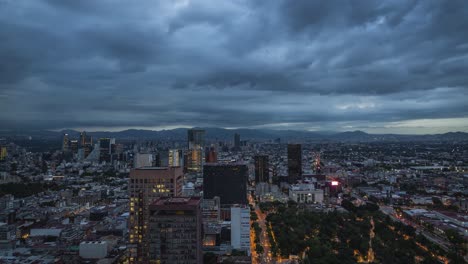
(146, 185)
(85, 139)
(105, 149)
(294, 162)
(261, 169)
(228, 181)
(176, 158)
(196, 143)
(237, 141)
(175, 231)
(240, 227)
(86, 143)
(65, 142)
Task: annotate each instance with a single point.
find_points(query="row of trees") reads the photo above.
(257, 231)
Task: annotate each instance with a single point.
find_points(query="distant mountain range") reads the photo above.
(252, 134)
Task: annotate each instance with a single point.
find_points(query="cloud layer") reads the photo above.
(379, 66)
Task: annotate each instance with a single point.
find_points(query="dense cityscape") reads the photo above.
(238, 200)
(234, 131)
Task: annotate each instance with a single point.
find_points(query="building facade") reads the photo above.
(176, 158)
(227, 181)
(175, 231)
(240, 227)
(305, 193)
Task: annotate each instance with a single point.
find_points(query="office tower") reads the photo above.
(176, 157)
(236, 141)
(74, 146)
(146, 185)
(240, 227)
(86, 143)
(85, 139)
(210, 155)
(294, 162)
(175, 231)
(196, 143)
(143, 160)
(228, 181)
(105, 149)
(261, 169)
(65, 142)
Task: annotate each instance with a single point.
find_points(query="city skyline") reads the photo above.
(380, 67)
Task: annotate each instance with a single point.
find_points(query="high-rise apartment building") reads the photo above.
(294, 162)
(196, 143)
(227, 181)
(261, 169)
(175, 231)
(145, 186)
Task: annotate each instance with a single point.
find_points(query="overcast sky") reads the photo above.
(376, 66)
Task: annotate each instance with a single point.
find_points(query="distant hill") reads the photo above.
(222, 134)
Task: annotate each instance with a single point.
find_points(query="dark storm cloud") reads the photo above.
(304, 64)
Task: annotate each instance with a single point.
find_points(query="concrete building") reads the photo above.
(143, 160)
(146, 185)
(175, 228)
(240, 227)
(211, 210)
(176, 158)
(305, 193)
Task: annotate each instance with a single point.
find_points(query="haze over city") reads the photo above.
(375, 66)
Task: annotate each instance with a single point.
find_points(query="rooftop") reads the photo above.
(168, 201)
